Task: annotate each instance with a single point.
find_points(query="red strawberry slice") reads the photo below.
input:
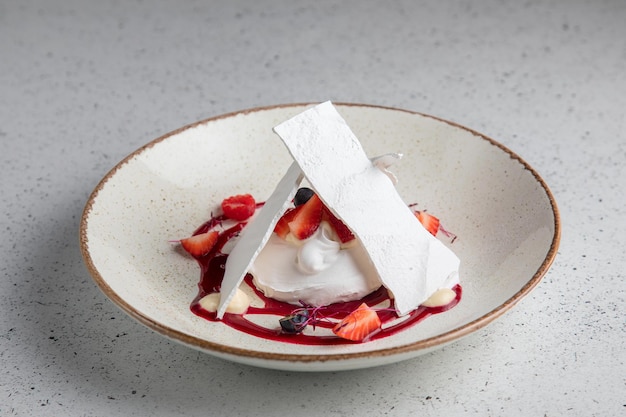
(345, 235)
(430, 222)
(359, 324)
(239, 207)
(200, 244)
(308, 218)
(282, 227)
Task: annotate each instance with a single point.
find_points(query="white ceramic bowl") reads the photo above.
(503, 213)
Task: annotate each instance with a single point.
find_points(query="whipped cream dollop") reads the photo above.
(318, 254)
(317, 271)
(237, 305)
(320, 271)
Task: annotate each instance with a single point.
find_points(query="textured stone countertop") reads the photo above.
(85, 83)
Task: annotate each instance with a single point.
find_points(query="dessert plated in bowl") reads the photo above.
(501, 211)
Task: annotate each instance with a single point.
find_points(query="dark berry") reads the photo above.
(302, 196)
(294, 323)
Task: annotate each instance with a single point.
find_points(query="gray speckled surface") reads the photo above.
(84, 83)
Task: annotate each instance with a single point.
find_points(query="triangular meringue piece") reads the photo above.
(412, 263)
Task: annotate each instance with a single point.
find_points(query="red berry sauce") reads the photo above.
(212, 266)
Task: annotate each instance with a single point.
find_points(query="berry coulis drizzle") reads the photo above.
(212, 267)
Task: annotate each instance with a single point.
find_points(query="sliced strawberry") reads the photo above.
(345, 235)
(359, 324)
(308, 218)
(239, 207)
(430, 222)
(282, 227)
(200, 244)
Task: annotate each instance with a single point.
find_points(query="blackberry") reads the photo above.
(294, 323)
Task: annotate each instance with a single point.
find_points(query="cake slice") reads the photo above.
(411, 262)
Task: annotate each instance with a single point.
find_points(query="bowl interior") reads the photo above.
(500, 209)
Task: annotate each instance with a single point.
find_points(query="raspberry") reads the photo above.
(239, 207)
